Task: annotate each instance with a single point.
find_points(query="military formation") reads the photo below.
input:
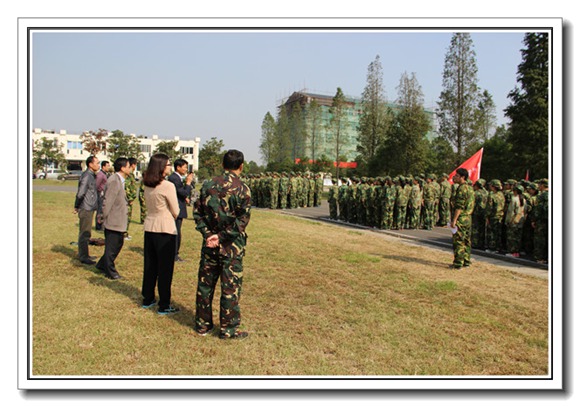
(508, 217)
(285, 190)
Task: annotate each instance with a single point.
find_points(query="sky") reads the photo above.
(221, 84)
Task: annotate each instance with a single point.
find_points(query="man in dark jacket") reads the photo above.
(183, 185)
(86, 203)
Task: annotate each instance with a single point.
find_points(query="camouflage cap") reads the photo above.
(544, 181)
(495, 183)
(532, 185)
(481, 182)
(511, 181)
(387, 178)
(520, 189)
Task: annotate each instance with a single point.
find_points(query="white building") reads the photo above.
(72, 147)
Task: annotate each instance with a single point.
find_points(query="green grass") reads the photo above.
(317, 299)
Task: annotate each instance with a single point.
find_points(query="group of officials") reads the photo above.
(221, 214)
(509, 217)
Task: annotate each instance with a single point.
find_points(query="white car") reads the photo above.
(51, 173)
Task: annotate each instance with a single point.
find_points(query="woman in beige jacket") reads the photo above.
(160, 234)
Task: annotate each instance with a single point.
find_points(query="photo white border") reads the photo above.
(24, 196)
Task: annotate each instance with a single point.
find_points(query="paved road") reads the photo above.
(439, 237)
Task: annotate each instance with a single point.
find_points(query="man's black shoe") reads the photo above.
(115, 276)
(88, 261)
(167, 311)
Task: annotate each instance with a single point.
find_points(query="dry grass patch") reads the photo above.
(317, 299)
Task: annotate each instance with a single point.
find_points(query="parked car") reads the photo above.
(51, 173)
(74, 174)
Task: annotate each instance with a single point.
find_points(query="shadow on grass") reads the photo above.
(415, 260)
(69, 251)
(185, 316)
(137, 249)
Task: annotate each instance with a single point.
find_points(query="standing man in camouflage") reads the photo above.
(222, 213)
(444, 205)
(415, 203)
(429, 198)
(463, 202)
(540, 223)
(131, 191)
(332, 200)
(342, 200)
(494, 213)
(478, 219)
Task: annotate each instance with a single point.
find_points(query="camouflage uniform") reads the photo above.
(332, 200)
(362, 201)
(401, 202)
(444, 201)
(319, 186)
(494, 217)
(429, 199)
(514, 221)
(294, 192)
(390, 195)
(274, 191)
(352, 197)
(142, 205)
(478, 219)
(541, 217)
(528, 230)
(415, 200)
(342, 201)
(311, 191)
(283, 191)
(463, 200)
(131, 190)
(223, 208)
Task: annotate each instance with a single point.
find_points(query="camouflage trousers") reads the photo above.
(493, 234)
(333, 209)
(429, 219)
(478, 231)
(342, 214)
(129, 215)
(228, 270)
(414, 215)
(513, 239)
(292, 201)
(541, 240)
(387, 218)
(462, 242)
(273, 201)
(444, 214)
(400, 217)
(352, 213)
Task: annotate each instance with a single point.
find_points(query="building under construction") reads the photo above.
(326, 144)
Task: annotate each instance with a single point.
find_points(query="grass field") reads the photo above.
(317, 300)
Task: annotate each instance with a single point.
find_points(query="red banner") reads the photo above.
(472, 165)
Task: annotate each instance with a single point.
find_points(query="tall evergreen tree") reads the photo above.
(406, 139)
(338, 125)
(486, 116)
(458, 100)
(282, 145)
(297, 131)
(210, 158)
(314, 128)
(528, 111)
(268, 140)
(375, 117)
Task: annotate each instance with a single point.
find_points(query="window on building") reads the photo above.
(74, 145)
(145, 148)
(186, 150)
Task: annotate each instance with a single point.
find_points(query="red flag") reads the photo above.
(472, 165)
(527, 175)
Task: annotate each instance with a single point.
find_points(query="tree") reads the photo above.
(297, 131)
(94, 141)
(497, 161)
(485, 116)
(338, 124)
(375, 117)
(268, 140)
(314, 127)
(458, 101)
(440, 157)
(123, 145)
(406, 141)
(47, 152)
(282, 145)
(529, 109)
(168, 148)
(210, 158)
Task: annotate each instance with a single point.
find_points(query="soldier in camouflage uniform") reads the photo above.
(342, 200)
(352, 197)
(514, 221)
(429, 199)
(541, 216)
(132, 193)
(142, 205)
(319, 186)
(478, 218)
(332, 200)
(415, 202)
(283, 191)
(293, 191)
(370, 203)
(222, 213)
(362, 201)
(528, 231)
(494, 212)
(507, 194)
(274, 190)
(401, 203)
(444, 200)
(390, 195)
(311, 190)
(463, 202)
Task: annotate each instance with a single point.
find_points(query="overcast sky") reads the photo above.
(221, 84)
